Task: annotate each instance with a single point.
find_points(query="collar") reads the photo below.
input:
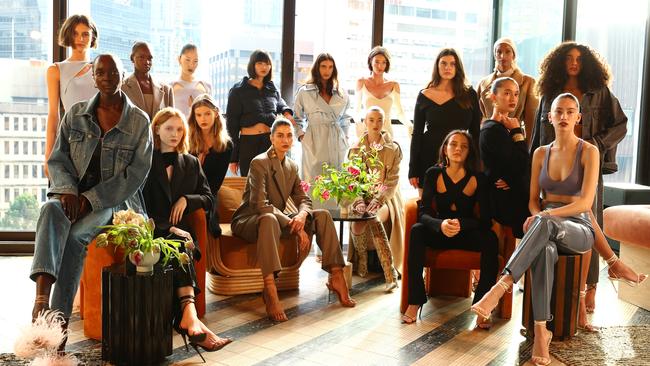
(125, 124)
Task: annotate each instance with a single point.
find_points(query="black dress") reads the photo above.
(507, 160)
(432, 122)
(215, 166)
(475, 233)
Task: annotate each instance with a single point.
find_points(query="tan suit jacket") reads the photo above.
(162, 95)
(272, 187)
(526, 107)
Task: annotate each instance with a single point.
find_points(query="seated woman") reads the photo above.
(504, 153)
(175, 187)
(387, 204)
(454, 187)
(264, 217)
(566, 174)
(210, 143)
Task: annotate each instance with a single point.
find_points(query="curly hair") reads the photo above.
(594, 73)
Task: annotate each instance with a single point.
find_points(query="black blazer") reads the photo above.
(160, 193)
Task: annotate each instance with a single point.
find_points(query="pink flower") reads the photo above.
(137, 257)
(305, 186)
(354, 170)
(318, 177)
(351, 187)
(325, 195)
(376, 146)
(383, 188)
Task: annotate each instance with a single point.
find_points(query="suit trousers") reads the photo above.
(538, 250)
(269, 233)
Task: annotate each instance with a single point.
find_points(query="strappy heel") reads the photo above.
(542, 360)
(193, 338)
(407, 319)
(41, 305)
(345, 301)
(586, 327)
(613, 276)
(484, 312)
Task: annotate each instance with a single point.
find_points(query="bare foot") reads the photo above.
(337, 284)
(273, 306)
(190, 321)
(411, 313)
(541, 344)
(490, 300)
(213, 341)
(590, 298)
(582, 316)
(483, 323)
(620, 270)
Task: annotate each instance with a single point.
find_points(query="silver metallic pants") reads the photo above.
(538, 250)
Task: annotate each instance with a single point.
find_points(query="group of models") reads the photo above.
(104, 156)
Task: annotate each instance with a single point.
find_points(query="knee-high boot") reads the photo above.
(360, 242)
(383, 252)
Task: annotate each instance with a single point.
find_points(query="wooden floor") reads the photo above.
(323, 333)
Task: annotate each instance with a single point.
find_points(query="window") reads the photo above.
(7, 171)
(25, 147)
(34, 147)
(619, 38)
(16, 148)
(16, 124)
(16, 171)
(7, 148)
(25, 124)
(34, 124)
(533, 28)
(43, 194)
(7, 195)
(25, 171)
(6, 123)
(34, 171)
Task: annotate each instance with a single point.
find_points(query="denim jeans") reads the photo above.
(60, 249)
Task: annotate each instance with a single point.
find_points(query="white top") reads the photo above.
(74, 88)
(365, 100)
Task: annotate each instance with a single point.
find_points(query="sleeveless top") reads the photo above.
(571, 185)
(385, 103)
(189, 90)
(73, 88)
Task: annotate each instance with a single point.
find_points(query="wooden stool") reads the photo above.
(564, 301)
(137, 315)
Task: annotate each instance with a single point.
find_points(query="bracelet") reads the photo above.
(545, 212)
(518, 137)
(516, 130)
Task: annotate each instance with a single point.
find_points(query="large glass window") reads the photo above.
(225, 33)
(25, 54)
(619, 38)
(535, 27)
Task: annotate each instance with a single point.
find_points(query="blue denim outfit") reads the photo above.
(125, 161)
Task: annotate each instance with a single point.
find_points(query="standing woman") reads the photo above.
(210, 143)
(141, 88)
(504, 153)
(447, 104)
(375, 90)
(70, 81)
(322, 105)
(187, 87)
(577, 69)
(175, 187)
(386, 205)
(505, 54)
(253, 104)
(454, 187)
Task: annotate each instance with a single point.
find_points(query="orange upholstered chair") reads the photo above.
(98, 258)
(232, 261)
(455, 266)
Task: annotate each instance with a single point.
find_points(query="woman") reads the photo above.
(375, 90)
(264, 216)
(565, 173)
(505, 54)
(188, 87)
(454, 187)
(504, 153)
(447, 104)
(110, 138)
(322, 105)
(70, 81)
(175, 187)
(210, 143)
(253, 104)
(575, 68)
(386, 205)
(141, 88)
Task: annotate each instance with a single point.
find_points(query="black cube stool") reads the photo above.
(564, 301)
(136, 315)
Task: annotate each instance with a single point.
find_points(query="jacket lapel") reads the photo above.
(161, 172)
(157, 95)
(177, 176)
(278, 173)
(134, 90)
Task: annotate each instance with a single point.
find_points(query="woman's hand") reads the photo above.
(304, 242)
(70, 204)
(233, 168)
(374, 206)
(415, 182)
(177, 210)
(450, 227)
(183, 234)
(501, 184)
(297, 223)
(528, 222)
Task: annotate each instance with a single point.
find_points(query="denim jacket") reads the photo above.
(125, 156)
(603, 120)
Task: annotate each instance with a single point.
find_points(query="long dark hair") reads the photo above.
(459, 83)
(332, 83)
(594, 72)
(259, 56)
(471, 163)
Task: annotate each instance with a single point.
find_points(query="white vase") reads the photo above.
(147, 262)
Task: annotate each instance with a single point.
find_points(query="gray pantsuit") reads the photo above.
(264, 214)
(538, 250)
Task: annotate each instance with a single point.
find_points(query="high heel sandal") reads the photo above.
(478, 310)
(586, 327)
(41, 304)
(613, 276)
(407, 319)
(194, 338)
(347, 302)
(541, 360)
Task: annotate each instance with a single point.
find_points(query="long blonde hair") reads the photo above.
(163, 116)
(221, 138)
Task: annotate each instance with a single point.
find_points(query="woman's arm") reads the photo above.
(535, 170)
(475, 122)
(530, 108)
(535, 139)
(391, 178)
(613, 131)
(418, 131)
(53, 78)
(234, 111)
(425, 212)
(400, 111)
(200, 196)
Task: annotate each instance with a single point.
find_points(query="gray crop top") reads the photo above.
(572, 185)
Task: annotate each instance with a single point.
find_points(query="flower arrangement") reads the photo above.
(357, 178)
(135, 235)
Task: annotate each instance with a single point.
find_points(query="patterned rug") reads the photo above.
(626, 345)
(90, 356)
